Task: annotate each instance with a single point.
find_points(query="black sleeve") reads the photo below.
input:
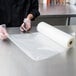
(34, 9)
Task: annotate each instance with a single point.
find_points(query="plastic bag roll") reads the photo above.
(62, 38)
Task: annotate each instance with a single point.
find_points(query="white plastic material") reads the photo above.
(46, 43)
(55, 34)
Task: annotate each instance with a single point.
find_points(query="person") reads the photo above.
(19, 13)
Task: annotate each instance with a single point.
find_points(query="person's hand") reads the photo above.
(26, 25)
(3, 33)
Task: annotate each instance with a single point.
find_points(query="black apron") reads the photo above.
(12, 12)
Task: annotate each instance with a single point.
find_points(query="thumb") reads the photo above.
(4, 31)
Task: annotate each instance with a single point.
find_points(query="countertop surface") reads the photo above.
(58, 10)
(13, 62)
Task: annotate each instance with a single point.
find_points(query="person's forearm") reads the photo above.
(30, 16)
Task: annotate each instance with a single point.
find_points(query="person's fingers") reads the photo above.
(23, 28)
(28, 27)
(2, 36)
(4, 32)
(27, 23)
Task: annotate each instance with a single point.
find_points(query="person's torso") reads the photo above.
(13, 11)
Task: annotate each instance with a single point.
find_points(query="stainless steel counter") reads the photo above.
(58, 13)
(58, 10)
(13, 62)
